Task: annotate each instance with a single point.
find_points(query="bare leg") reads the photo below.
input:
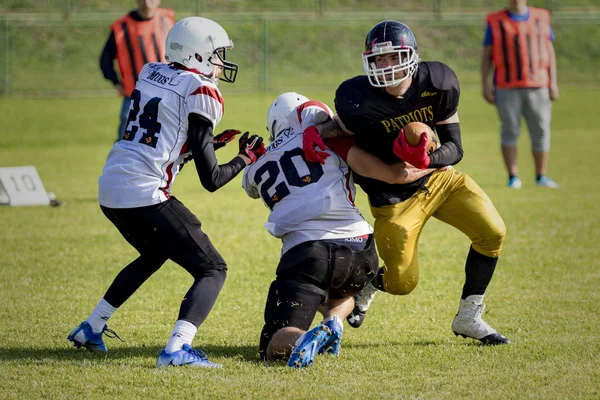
(340, 307)
(541, 161)
(510, 160)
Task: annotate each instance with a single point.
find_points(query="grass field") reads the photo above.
(56, 263)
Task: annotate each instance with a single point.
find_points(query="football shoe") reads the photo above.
(83, 336)
(307, 346)
(514, 182)
(362, 302)
(334, 343)
(544, 181)
(468, 322)
(186, 356)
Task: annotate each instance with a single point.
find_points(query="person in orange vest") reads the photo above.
(518, 45)
(136, 38)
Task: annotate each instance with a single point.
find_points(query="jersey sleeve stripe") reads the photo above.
(311, 103)
(211, 92)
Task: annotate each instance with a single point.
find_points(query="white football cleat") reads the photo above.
(468, 322)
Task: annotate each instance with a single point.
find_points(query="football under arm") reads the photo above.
(370, 166)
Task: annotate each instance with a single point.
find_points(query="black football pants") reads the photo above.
(168, 231)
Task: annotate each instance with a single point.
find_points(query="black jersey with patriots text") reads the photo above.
(375, 117)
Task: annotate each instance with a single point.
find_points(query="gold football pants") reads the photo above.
(452, 197)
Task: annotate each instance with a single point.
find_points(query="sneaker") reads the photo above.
(514, 182)
(334, 343)
(186, 356)
(544, 181)
(308, 345)
(83, 336)
(362, 302)
(468, 322)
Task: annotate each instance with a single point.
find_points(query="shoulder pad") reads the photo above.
(350, 95)
(442, 76)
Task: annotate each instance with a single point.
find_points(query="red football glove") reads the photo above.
(415, 155)
(224, 137)
(310, 140)
(252, 147)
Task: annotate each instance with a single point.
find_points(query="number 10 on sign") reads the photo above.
(22, 186)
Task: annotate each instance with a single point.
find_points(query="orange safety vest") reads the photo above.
(140, 42)
(520, 49)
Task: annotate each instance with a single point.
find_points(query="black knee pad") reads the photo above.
(289, 303)
(217, 270)
(220, 274)
(352, 269)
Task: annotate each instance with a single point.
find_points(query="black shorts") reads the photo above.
(168, 230)
(309, 273)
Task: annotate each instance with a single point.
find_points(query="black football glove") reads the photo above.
(224, 137)
(251, 146)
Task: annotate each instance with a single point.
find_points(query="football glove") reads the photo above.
(415, 155)
(310, 141)
(224, 137)
(251, 146)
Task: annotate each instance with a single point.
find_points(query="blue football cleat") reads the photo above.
(334, 343)
(185, 356)
(308, 345)
(83, 336)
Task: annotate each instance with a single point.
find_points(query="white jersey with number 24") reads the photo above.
(141, 167)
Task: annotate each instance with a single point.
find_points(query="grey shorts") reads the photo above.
(532, 103)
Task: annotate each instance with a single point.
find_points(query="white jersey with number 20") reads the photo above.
(308, 201)
(141, 167)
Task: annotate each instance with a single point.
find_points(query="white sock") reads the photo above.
(332, 318)
(183, 333)
(100, 315)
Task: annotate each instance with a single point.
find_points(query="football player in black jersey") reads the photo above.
(396, 90)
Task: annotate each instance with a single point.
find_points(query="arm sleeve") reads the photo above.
(450, 151)
(211, 174)
(106, 59)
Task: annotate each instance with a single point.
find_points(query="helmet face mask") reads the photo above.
(279, 116)
(200, 44)
(228, 69)
(390, 55)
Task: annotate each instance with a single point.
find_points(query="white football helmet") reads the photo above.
(278, 116)
(200, 44)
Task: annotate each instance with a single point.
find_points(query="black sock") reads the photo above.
(377, 282)
(538, 177)
(479, 270)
